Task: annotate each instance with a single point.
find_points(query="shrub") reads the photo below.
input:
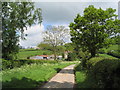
(6, 64)
(17, 63)
(106, 73)
(93, 61)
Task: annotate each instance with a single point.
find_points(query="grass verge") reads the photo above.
(30, 76)
(83, 80)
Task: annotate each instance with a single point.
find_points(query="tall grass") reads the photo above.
(30, 76)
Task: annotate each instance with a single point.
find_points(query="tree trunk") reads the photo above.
(55, 53)
(93, 53)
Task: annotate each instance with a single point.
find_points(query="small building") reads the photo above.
(59, 57)
(45, 57)
(40, 57)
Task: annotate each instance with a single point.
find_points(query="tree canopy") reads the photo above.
(94, 29)
(55, 36)
(16, 17)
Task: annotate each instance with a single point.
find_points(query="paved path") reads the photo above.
(64, 79)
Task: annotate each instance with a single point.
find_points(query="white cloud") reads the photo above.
(74, 0)
(65, 12)
(34, 36)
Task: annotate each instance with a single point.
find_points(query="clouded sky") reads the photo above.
(59, 13)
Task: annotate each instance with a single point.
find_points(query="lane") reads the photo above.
(64, 79)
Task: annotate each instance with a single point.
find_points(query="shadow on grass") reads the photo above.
(57, 69)
(88, 82)
(83, 79)
(64, 71)
(24, 83)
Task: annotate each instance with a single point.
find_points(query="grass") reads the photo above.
(107, 56)
(112, 47)
(83, 80)
(24, 53)
(30, 76)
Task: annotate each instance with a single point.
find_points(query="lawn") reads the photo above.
(24, 53)
(30, 76)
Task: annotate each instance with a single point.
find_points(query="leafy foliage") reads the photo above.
(93, 30)
(69, 46)
(6, 64)
(93, 61)
(106, 72)
(55, 36)
(16, 16)
(101, 73)
(72, 57)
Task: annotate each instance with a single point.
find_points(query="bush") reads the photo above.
(17, 63)
(6, 64)
(93, 61)
(106, 73)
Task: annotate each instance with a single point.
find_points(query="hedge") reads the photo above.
(106, 72)
(90, 63)
(17, 63)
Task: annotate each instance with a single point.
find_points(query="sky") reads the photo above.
(59, 13)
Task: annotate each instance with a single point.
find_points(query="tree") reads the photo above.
(16, 16)
(45, 46)
(94, 29)
(69, 46)
(55, 36)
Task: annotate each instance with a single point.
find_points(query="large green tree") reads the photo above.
(94, 29)
(16, 17)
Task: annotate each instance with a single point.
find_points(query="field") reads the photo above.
(111, 52)
(112, 47)
(107, 56)
(24, 53)
(30, 76)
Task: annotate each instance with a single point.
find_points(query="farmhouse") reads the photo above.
(45, 57)
(40, 57)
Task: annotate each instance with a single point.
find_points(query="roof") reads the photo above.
(43, 55)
